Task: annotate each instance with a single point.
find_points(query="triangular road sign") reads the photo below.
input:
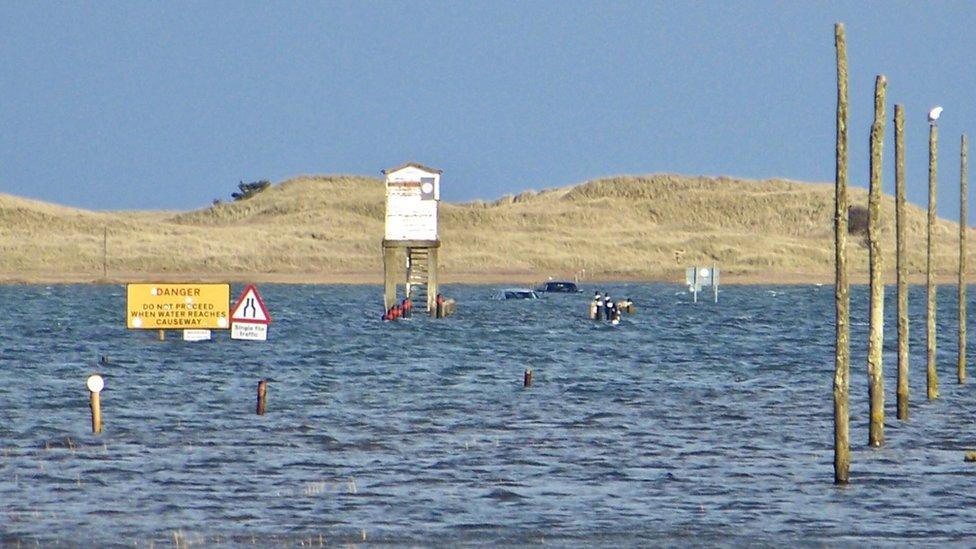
(250, 307)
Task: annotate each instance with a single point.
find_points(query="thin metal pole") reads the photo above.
(715, 283)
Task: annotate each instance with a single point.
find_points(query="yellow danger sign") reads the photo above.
(177, 306)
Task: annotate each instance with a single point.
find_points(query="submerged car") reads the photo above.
(559, 286)
(518, 293)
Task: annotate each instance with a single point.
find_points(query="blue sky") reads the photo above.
(168, 105)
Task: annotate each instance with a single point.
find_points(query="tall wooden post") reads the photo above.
(390, 271)
(876, 325)
(963, 225)
(932, 376)
(842, 367)
(432, 286)
(902, 262)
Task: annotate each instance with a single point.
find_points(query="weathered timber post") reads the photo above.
(262, 397)
(842, 369)
(435, 309)
(902, 262)
(876, 326)
(390, 270)
(95, 385)
(432, 284)
(963, 225)
(527, 379)
(162, 335)
(932, 376)
(96, 412)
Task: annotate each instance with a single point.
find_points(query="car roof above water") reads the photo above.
(558, 286)
(518, 293)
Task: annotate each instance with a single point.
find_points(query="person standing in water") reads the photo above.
(608, 306)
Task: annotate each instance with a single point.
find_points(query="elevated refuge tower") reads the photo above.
(413, 192)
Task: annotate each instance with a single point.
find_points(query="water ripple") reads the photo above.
(687, 424)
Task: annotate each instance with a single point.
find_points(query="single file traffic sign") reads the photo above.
(250, 307)
(250, 317)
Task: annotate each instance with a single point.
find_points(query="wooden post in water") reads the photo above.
(963, 225)
(932, 376)
(262, 396)
(842, 445)
(902, 262)
(96, 412)
(432, 283)
(162, 335)
(876, 325)
(527, 380)
(95, 385)
(390, 270)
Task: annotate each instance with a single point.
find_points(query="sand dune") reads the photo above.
(329, 229)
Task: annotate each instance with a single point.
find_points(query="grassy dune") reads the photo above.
(329, 229)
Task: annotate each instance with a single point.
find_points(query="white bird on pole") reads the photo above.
(934, 114)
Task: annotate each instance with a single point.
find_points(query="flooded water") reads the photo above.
(687, 424)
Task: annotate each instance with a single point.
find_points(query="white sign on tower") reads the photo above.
(249, 317)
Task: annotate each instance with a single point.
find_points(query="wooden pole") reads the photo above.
(96, 411)
(390, 272)
(932, 376)
(262, 396)
(162, 335)
(876, 324)
(902, 262)
(95, 384)
(527, 381)
(842, 446)
(432, 275)
(963, 225)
